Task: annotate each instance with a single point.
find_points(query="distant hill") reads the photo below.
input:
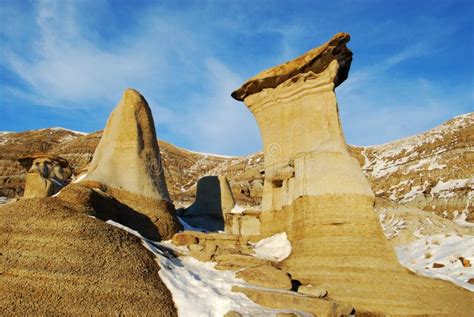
(433, 171)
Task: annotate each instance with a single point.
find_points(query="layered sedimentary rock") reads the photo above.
(127, 163)
(304, 154)
(316, 192)
(213, 201)
(57, 261)
(432, 171)
(46, 175)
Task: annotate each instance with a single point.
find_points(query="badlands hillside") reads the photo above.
(432, 171)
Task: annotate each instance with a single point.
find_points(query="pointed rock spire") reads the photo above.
(128, 156)
(127, 163)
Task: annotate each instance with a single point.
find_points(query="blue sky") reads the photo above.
(66, 63)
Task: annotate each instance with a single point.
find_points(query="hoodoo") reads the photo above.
(316, 192)
(47, 174)
(213, 201)
(127, 163)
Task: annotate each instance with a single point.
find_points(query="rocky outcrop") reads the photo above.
(214, 201)
(127, 164)
(325, 203)
(55, 260)
(46, 175)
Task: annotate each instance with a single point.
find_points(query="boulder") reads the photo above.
(127, 163)
(101, 205)
(213, 201)
(316, 192)
(184, 239)
(312, 291)
(292, 300)
(266, 276)
(238, 261)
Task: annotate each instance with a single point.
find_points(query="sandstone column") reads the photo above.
(320, 193)
(214, 200)
(127, 163)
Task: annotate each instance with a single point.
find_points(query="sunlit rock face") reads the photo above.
(127, 163)
(316, 192)
(128, 156)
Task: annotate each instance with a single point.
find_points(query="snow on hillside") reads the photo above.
(64, 129)
(441, 256)
(396, 153)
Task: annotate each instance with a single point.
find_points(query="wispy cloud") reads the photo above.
(81, 55)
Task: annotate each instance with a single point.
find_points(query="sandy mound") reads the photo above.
(55, 261)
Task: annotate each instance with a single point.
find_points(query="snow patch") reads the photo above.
(420, 255)
(275, 248)
(461, 220)
(451, 185)
(64, 129)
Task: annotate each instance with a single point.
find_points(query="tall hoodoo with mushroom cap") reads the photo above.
(316, 192)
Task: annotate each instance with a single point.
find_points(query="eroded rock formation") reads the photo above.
(305, 154)
(47, 174)
(127, 163)
(213, 201)
(316, 192)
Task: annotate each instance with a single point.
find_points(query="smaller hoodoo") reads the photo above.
(127, 163)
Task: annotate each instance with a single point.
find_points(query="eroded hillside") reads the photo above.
(433, 171)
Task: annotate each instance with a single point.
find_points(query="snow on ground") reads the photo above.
(238, 209)
(3, 199)
(198, 289)
(420, 256)
(276, 247)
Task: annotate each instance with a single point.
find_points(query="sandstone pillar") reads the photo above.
(213, 201)
(127, 163)
(320, 193)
